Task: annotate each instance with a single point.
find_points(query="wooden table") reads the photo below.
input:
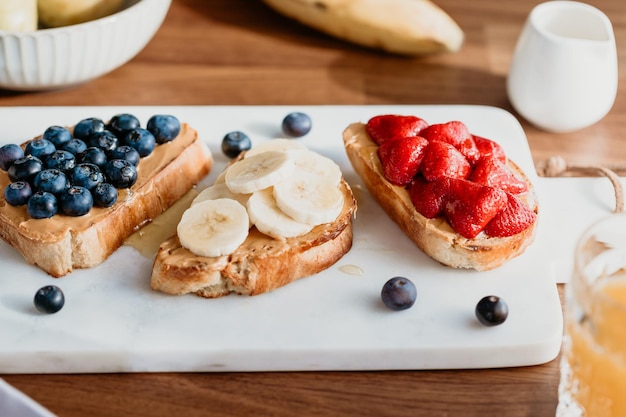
(211, 52)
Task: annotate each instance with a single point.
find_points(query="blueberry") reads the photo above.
(399, 293)
(39, 148)
(49, 299)
(53, 181)
(142, 140)
(93, 155)
(75, 201)
(17, 193)
(121, 124)
(121, 173)
(234, 143)
(296, 124)
(25, 168)
(75, 146)
(9, 154)
(125, 152)
(491, 310)
(164, 127)
(104, 140)
(42, 205)
(61, 159)
(58, 135)
(86, 175)
(88, 127)
(104, 195)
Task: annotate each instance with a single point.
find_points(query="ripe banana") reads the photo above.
(213, 227)
(316, 165)
(280, 144)
(309, 199)
(18, 15)
(407, 27)
(220, 190)
(305, 159)
(283, 188)
(258, 171)
(270, 220)
(54, 13)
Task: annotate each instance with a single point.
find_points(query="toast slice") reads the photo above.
(61, 243)
(435, 236)
(260, 264)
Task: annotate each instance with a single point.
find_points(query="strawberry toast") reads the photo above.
(456, 195)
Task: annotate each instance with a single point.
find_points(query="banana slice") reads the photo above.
(213, 227)
(220, 190)
(279, 144)
(259, 171)
(312, 163)
(270, 220)
(309, 199)
(221, 178)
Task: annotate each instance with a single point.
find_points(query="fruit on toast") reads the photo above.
(456, 195)
(278, 213)
(94, 185)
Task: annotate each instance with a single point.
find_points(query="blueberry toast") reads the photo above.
(73, 226)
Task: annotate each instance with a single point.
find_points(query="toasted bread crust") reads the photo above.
(433, 236)
(59, 252)
(259, 265)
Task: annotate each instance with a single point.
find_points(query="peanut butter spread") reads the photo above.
(260, 244)
(55, 228)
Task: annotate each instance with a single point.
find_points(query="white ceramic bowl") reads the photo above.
(60, 57)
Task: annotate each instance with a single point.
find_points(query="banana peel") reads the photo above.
(404, 27)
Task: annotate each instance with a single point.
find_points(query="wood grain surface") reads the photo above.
(216, 52)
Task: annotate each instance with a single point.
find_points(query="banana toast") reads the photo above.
(276, 248)
(61, 243)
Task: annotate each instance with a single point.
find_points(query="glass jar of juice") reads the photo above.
(593, 366)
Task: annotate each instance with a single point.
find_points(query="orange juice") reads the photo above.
(596, 353)
(593, 365)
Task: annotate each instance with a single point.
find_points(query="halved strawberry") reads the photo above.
(401, 159)
(392, 126)
(456, 134)
(470, 207)
(514, 219)
(491, 171)
(487, 147)
(429, 197)
(443, 160)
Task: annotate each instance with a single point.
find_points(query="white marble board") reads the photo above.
(113, 322)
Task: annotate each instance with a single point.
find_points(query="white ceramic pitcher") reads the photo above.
(563, 76)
